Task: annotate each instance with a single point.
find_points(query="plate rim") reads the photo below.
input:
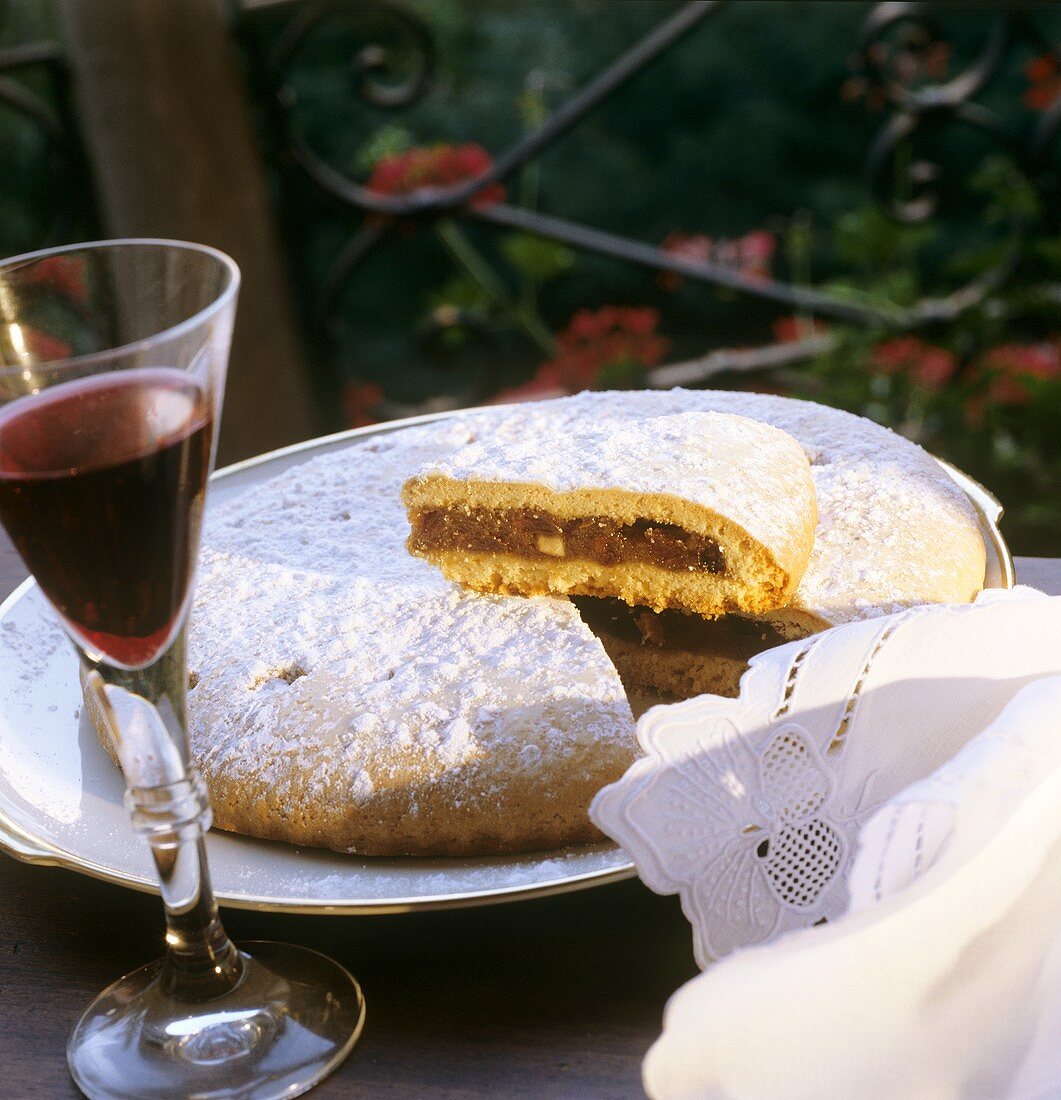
(27, 848)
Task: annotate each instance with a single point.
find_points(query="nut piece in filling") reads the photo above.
(704, 512)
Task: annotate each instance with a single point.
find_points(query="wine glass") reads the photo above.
(112, 367)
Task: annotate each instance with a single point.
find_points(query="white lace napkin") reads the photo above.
(943, 976)
(939, 972)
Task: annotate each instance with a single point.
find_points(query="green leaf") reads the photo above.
(463, 293)
(869, 238)
(385, 142)
(624, 375)
(1010, 191)
(1049, 248)
(537, 259)
(453, 337)
(533, 109)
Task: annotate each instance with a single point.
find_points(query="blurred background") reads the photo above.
(439, 203)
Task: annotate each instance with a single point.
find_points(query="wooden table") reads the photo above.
(555, 997)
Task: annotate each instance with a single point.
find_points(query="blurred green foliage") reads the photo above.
(982, 390)
(742, 125)
(738, 126)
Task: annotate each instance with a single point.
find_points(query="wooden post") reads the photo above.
(170, 137)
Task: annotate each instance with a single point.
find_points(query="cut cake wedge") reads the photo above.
(706, 512)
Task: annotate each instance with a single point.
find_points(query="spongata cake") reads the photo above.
(346, 695)
(706, 512)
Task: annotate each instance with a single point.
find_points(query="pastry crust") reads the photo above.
(742, 485)
(674, 672)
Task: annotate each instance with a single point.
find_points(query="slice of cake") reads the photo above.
(678, 654)
(702, 511)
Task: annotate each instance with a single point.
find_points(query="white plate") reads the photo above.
(61, 797)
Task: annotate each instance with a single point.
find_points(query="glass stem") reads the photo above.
(201, 962)
(169, 806)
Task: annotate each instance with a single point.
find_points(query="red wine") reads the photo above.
(101, 489)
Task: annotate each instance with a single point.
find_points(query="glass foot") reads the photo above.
(292, 1018)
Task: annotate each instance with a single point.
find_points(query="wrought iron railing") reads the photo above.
(905, 187)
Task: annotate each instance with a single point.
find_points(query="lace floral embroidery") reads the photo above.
(748, 831)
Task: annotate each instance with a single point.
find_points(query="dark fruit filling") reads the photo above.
(730, 636)
(533, 534)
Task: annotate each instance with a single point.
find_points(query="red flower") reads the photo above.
(913, 61)
(613, 345)
(927, 365)
(1010, 367)
(1044, 82)
(360, 401)
(755, 250)
(63, 274)
(435, 168)
(694, 246)
(790, 330)
(750, 255)
(609, 347)
(44, 347)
